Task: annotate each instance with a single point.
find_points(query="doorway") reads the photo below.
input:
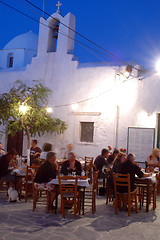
(16, 142)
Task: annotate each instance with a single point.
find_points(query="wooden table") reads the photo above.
(145, 183)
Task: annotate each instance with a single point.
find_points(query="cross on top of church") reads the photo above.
(58, 5)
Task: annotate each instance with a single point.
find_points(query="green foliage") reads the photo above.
(36, 117)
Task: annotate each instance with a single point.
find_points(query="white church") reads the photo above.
(102, 104)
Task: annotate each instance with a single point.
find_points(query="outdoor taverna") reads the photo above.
(79, 139)
(102, 103)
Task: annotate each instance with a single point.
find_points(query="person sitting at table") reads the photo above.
(133, 169)
(35, 151)
(5, 174)
(2, 152)
(47, 147)
(100, 160)
(111, 157)
(153, 160)
(70, 148)
(121, 158)
(46, 172)
(36, 163)
(71, 165)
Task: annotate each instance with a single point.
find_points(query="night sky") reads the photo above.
(128, 29)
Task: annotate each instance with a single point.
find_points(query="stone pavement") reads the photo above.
(17, 221)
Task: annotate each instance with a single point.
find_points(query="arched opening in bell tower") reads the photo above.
(53, 35)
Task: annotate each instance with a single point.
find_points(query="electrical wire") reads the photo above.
(68, 36)
(83, 45)
(80, 43)
(117, 58)
(91, 98)
(18, 11)
(29, 8)
(111, 55)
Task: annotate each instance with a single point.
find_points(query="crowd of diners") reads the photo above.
(118, 162)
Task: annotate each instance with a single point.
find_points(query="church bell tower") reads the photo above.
(57, 33)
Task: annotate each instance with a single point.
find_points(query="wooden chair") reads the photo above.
(88, 167)
(4, 185)
(28, 184)
(41, 193)
(100, 181)
(109, 189)
(69, 194)
(90, 193)
(123, 180)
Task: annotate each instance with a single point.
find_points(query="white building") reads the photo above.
(107, 103)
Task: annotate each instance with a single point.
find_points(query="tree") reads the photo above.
(25, 108)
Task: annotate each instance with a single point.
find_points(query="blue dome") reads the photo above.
(27, 40)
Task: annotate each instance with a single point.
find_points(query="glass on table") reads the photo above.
(73, 173)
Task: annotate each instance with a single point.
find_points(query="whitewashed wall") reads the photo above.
(71, 82)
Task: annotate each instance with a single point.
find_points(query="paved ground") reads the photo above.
(17, 221)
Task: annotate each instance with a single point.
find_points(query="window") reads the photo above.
(87, 131)
(10, 60)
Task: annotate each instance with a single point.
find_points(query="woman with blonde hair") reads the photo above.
(121, 158)
(153, 159)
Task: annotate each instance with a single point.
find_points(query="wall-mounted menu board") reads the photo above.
(141, 141)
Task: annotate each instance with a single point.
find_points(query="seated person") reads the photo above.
(121, 158)
(111, 158)
(71, 165)
(130, 167)
(153, 160)
(36, 163)
(46, 172)
(100, 160)
(5, 174)
(47, 147)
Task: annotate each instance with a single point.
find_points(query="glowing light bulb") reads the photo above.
(49, 110)
(23, 108)
(158, 67)
(74, 106)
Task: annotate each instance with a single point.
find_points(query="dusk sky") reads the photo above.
(128, 29)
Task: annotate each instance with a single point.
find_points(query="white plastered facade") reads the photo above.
(73, 82)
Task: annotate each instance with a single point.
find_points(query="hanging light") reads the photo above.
(23, 108)
(158, 67)
(74, 106)
(49, 110)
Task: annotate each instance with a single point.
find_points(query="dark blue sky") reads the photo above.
(128, 29)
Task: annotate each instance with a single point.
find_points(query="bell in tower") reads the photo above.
(55, 31)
